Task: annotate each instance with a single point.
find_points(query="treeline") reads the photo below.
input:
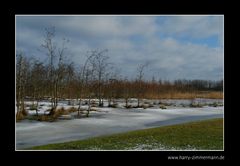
(59, 78)
(73, 84)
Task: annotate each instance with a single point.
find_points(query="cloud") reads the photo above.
(194, 26)
(132, 40)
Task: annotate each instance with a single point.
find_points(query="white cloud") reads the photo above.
(168, 57)
(194, 26)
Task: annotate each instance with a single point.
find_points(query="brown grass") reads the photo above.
(211, 95)
(59, 112)
(21, 115)
(47, 118)
(187, 95)
(72, 109)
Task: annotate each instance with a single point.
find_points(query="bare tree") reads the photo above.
(140, 90)
(99, 62)
(21, 77)
(55, 73)
(70, 76)
(83, 78)
(60, 71)
(51, 53)
(126, 91)
(38, 77)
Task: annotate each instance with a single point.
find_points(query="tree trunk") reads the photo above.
(79, 107)
(126, 100)
(89, 106)
(138, 102)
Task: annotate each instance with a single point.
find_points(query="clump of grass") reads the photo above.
(162, 106)
(196, 105)
(215, 104)
(60, 112)
(151, 105)
(115, 105)
(94, 104)
(146, 102)
(54, 114)
(129, 106)
(144, 106)
(93, 109)
(24, 112)
(19, 116)
(72, 109)
(47, 118)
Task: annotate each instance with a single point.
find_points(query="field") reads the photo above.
(203, 135)
(106, 121)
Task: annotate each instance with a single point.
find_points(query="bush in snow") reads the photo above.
(72, 109)
(151, 105)
(128, 106)
(144, 106)
(214, 104)
(162, 106)
(115, 105)
(195, 105)
(146, 102)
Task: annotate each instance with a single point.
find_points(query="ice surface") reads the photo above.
(105, 121)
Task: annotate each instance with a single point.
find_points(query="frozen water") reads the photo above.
(105, 121)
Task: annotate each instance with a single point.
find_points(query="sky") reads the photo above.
(175, 47)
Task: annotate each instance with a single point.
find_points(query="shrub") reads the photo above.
(92, 109)
(195, 105)
(47, 118)
(94, 104)
(55, 113)
(151, 105)
(162, 106)
(128, 106)
(24, 112)
(21, 115)
(72, 109)
(214, 104)
(113, 105)
(60, 112)
(144, 106)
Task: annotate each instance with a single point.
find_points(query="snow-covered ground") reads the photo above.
(106, 121)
